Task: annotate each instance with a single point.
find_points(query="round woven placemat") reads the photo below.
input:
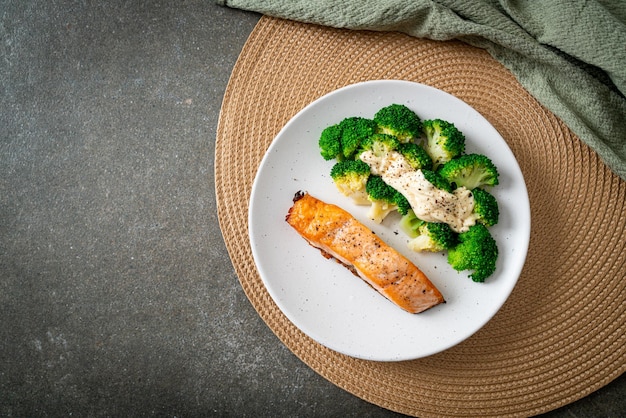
(561, 334)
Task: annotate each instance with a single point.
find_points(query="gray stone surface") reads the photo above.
(117, 296)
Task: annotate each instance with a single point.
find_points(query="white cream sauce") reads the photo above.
(429, 203)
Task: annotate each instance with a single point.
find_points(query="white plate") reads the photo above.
(326, 301)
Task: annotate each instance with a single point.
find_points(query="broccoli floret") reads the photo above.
(355, 130)
(433, 237)
(341, 141)
(380, 144)
(399, 121)
(330, 143)
(437, 180)
(378, 190)
(350, 177)
(477, 251)
(443, 141)
(471, 171)
(427, 236)
(485, 207)
(415, 155)
(384, 198)
(402, 203)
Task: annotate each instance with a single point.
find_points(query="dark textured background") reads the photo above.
(117, 296)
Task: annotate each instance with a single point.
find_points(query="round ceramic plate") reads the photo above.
(325, 300)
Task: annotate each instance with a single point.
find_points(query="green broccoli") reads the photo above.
(354, 130)
(401, 202)
(477, 250)
(341, 141)
(415, 155)
(443, 141)
(380, 144)
(384, 199)
(433, 237)
(485, 207)
(410, 224)
(470, 171)
(427, 236)
(350, 177)
(330, 143)
(399, 121)
(437, 180)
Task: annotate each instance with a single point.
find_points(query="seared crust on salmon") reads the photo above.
(339, 235)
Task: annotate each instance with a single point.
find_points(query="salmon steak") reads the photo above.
(337, 234)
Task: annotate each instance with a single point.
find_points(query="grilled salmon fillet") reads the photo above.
(339, 235)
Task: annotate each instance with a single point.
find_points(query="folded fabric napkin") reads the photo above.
(569, 54)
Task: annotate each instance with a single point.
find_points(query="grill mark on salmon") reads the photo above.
(337, 234)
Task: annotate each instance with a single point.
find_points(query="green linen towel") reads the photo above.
(569, 54)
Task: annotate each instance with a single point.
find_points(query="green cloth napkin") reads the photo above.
(569, 54)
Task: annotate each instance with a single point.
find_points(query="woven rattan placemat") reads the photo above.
(561, 334)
